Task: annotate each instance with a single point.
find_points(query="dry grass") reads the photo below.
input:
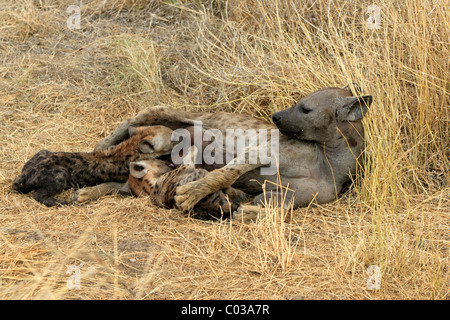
(65, 90)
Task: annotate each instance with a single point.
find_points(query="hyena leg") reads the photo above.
(274, 198)
(50, 184)
(157, 115)
(96, 192)
(45, 196)
(274, 201)
(188, 195)
(248, 213)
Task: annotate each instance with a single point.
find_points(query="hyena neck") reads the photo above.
(112, 164)
(123, 152)
(344, 152)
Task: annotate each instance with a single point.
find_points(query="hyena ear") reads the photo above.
(146, 146)
(132, 131)
(138, 169)
(354, 89)
(135, 130)
(158, 143)
(353, 108)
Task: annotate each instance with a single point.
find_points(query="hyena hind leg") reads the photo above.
(45, 196)
(49, 184)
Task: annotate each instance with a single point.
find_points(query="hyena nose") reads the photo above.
(276, 118)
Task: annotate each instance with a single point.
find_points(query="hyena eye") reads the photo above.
(305, 110)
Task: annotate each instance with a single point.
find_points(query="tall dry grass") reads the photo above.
(65, 89)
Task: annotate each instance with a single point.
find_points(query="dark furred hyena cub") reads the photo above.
(48, 173)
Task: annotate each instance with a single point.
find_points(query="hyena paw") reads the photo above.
(247, 213)
(85, 195)
(188, 195)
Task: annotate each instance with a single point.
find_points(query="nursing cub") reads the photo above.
(159, 179)
(48, 173)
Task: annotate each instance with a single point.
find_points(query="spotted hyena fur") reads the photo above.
(48, 173)
(158, 179)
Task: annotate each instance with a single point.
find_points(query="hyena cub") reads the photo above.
(159, 179)
(48, 173)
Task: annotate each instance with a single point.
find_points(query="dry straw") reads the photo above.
(64, 90)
